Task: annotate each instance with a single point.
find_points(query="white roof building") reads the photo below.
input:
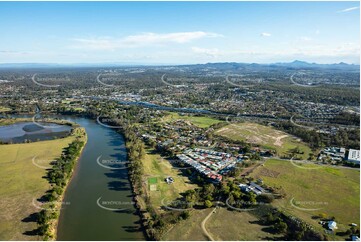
(332, 225)
(354, 156)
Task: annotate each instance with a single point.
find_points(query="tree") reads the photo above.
(208, 204)
(280, 226)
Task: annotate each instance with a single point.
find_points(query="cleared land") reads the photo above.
(21, 181)
(333, 191)
(266, 136)
(156, 169)
(200, 121)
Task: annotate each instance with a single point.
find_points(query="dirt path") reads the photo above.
(248, 170)
(203, 225)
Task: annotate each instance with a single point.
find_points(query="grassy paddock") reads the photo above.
(333, 191)
(233, 225)
(21, 182)
(189, 229)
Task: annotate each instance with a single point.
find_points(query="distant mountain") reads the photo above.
(297, 64)
(304, 64)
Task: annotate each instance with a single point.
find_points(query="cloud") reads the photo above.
(141, 40)
(264, 34)
(209, 52)
(348, 9)
(347, 52)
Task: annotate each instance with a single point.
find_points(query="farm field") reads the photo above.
(201, 122)
(266, 136)
(156, 169)
(22, 167)
(310, 192)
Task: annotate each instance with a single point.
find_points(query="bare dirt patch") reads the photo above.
(278, 141)
(269, 173)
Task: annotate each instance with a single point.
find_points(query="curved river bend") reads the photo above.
(98, 201)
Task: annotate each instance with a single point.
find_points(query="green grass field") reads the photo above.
(266, 136)
(21, 181)
(202, 122)
(333, 191)
(156, 169)
(152, 180)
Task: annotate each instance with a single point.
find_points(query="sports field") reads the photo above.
(311, 190)
(22, 167)
(156, 169)
(266, 136)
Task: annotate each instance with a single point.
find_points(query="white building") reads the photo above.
(354, 156)
(332, 225)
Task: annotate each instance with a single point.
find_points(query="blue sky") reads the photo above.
(179, 32)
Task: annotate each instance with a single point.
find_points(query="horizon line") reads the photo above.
(167, 64)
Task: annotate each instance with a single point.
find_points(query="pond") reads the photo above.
(30, 131)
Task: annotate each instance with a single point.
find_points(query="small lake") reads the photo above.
(22, 131)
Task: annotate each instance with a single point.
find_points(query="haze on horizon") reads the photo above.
(179, 32)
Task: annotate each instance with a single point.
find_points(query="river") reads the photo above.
(98, 201)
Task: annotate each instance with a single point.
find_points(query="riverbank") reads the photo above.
(49, 217)
(54, 227)
(147, 172)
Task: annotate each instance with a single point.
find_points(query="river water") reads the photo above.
(98, 202)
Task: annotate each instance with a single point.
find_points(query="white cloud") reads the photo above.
(348, 9)
(347, 52)
(141, 40)
(209, 52)
(264, 34)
